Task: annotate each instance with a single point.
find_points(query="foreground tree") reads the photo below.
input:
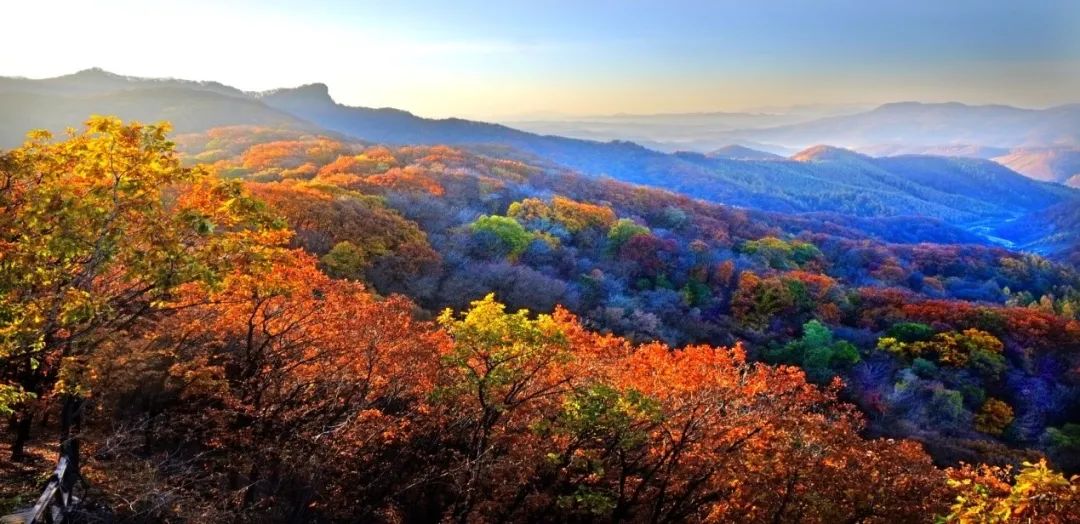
(542, 417)
(95, 231)
(988, 494)
(295, 385)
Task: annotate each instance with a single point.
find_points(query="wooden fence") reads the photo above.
(56, 500)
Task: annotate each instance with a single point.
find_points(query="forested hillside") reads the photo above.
(277, 325)
(972, 194)
(650, 265)
(963, 192)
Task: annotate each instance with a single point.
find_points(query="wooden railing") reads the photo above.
(56, 500)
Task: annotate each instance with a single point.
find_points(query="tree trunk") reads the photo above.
(71, 423)
(251, 493)
(20, 429)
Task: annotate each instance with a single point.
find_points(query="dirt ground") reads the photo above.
(21, 482)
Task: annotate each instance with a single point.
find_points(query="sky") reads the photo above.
(507, 59)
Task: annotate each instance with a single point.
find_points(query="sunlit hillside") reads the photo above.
(560, 262)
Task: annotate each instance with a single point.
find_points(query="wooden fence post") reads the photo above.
(56, 500)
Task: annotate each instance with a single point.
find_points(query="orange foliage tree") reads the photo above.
(95, 231)
(548, 418)
(327, 218)
(288, 378)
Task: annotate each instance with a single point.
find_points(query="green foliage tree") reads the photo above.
(817, 352)
(1065, 437)
(622, 231)
(972, 347)
(511, 233)
(910, 332)
(1063, 443)
(946, 406)
(781, 254)
(346, 260)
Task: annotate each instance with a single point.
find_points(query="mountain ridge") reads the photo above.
(829, 179)
(931, 124)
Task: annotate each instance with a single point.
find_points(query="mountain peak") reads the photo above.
(317, 93)
(94, 71)
(737, 152)
(825, 153)
(956, 107)
(93, 74)
(317, 89)
(91, 80)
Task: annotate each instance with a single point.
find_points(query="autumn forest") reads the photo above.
(257, 324)
(540, 262)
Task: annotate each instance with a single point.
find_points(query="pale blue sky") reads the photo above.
(487, 59)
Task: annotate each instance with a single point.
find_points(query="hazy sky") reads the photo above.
(499, 58)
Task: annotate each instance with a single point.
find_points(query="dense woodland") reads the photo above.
(270, 325)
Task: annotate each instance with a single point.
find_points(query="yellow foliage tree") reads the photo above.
(95, 231)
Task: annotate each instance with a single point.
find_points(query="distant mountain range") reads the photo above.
(699, 131)
(1040, 143)
(973, 193)
(1043, 144)
(916, 124)
(664, 132)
